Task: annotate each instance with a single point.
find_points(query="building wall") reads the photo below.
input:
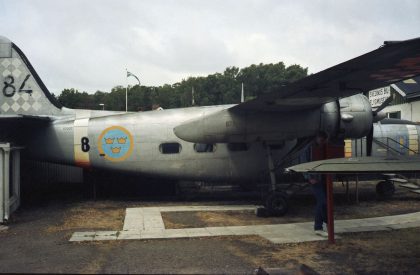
(409, 111)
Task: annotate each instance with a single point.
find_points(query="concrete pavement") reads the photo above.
(146, 223)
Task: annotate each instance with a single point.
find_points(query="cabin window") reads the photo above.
(237, 146)
(204, 148)
(395, 115)
(170, 148)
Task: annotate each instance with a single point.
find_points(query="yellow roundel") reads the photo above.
(115, 143)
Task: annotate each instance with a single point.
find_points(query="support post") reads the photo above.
(9, 180)
(2, 183)
(6, 176)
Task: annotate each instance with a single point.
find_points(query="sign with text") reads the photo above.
(378, 96)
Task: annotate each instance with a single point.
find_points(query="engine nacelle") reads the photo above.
(349, 117)
(356, 117)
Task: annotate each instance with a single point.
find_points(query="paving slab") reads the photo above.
(197, 232)
(153, 235)
(363, 229)
(105, 235)
(176, 233)
(405, 225)
(81, 238)
(105, 238)
(147, 223)
(219, 231)
(129, 235)
(243, 230)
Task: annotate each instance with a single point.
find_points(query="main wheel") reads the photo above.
(385, 189)
(277, 204)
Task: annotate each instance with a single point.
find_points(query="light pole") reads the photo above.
(126, 88)
(103, 106)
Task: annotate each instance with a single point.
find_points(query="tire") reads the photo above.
(385, 189)
(277, 204)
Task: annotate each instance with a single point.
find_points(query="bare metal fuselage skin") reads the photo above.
(61, 142)
(162, 143)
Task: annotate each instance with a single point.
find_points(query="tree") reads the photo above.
(217, 88)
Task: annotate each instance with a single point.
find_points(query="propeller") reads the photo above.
(378, 115)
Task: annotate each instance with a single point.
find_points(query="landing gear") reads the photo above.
(385, 189)
(276, 203)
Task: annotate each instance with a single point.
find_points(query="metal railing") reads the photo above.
(386, 145)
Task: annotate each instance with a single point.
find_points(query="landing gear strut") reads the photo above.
(276, 203)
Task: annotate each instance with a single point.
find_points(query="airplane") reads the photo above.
(238, 142)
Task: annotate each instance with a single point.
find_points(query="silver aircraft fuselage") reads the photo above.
(142, 135)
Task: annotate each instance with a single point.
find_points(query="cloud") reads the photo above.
(88, 44)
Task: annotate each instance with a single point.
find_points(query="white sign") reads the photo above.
(378, 96)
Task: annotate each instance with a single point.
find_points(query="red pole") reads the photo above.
(330, 209)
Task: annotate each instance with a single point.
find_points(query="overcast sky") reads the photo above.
(88, 44)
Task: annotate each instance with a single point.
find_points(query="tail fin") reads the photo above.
(22, 92)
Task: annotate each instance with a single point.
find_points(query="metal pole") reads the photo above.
(126, 91)
(242, 93)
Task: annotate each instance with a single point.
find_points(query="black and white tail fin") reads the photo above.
(22, 92)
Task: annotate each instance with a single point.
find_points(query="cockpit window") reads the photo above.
(204, 147)
(170, 148)
(238, 146)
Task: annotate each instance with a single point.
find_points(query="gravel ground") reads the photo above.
(38, 234)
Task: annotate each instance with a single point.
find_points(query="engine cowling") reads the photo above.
(347, 118)
(356, 117)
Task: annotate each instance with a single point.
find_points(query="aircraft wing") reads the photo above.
(392, 62)
(275, 116)
(360, 165)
